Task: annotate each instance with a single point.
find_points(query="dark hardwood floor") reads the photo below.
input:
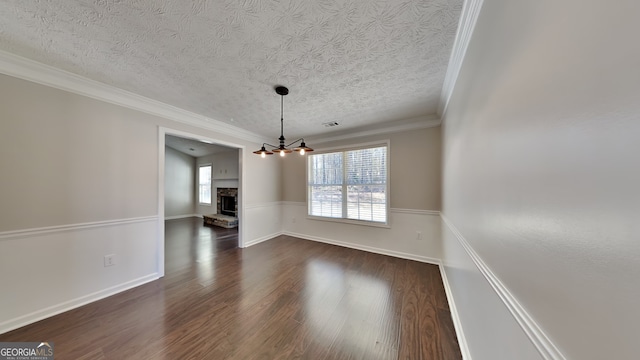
(285, 298)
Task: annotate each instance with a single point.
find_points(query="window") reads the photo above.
(204, 184)
(349, 184)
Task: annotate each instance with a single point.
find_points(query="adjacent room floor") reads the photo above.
(285, 298)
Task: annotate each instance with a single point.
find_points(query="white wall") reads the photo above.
(82, 182)
(179, 184)
(398, 240)
(540, 180)
(46, 271)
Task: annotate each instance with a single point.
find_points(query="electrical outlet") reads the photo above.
(418, 235)
(109, 260)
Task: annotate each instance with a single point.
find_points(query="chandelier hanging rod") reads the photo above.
(282, 148)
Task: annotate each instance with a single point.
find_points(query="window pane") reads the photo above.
(354, 180)
(325, 169)
(366, 172)
(326, 201)
(366, 202)
(367, 166)
(204, 184)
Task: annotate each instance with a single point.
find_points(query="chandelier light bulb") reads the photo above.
(282, 153)
(301, 151)
(263, 155)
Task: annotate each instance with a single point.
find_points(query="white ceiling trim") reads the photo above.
(26, 69)
(468, 18)
(421, 123)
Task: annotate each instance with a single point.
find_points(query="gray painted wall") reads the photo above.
(179, 185)
(414, 185)
(541, 174)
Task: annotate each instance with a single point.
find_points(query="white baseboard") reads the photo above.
(540, 340)
(72, 304)
(261, 239)
(182, 216)
(457, 324)
(370, 249)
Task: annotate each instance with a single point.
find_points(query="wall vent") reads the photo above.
(330, 124)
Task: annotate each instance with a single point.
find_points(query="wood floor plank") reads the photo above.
(371, 326)
(285, 298)
(421, 330)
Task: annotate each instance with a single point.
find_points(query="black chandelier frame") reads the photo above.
(283, 148)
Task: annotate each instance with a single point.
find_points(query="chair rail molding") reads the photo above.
(540, 340)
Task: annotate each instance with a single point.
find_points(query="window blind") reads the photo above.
(349, 184)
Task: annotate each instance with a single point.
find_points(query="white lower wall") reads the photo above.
(399, 240)
(264, 222)
(490, 322)
(46, 271)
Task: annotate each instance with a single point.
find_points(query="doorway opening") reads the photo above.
(181, 191)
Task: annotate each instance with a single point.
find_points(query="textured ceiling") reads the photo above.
(356, 62)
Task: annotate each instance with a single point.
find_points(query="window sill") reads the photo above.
(350, 221)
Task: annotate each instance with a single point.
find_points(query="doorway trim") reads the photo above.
(162, 132)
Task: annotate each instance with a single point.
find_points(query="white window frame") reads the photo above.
(360, 146)
(210, 203)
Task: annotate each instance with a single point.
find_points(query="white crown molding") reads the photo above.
(533, 331)
(468, 18)
(26, 69)
(420, 123)
(72, 227)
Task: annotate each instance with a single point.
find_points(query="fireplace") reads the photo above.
(227, 201)
(228, 205)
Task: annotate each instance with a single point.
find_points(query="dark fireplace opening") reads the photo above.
(228, 205)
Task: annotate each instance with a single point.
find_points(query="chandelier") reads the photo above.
(282, 148)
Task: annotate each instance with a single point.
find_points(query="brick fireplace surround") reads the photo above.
(226, 192)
